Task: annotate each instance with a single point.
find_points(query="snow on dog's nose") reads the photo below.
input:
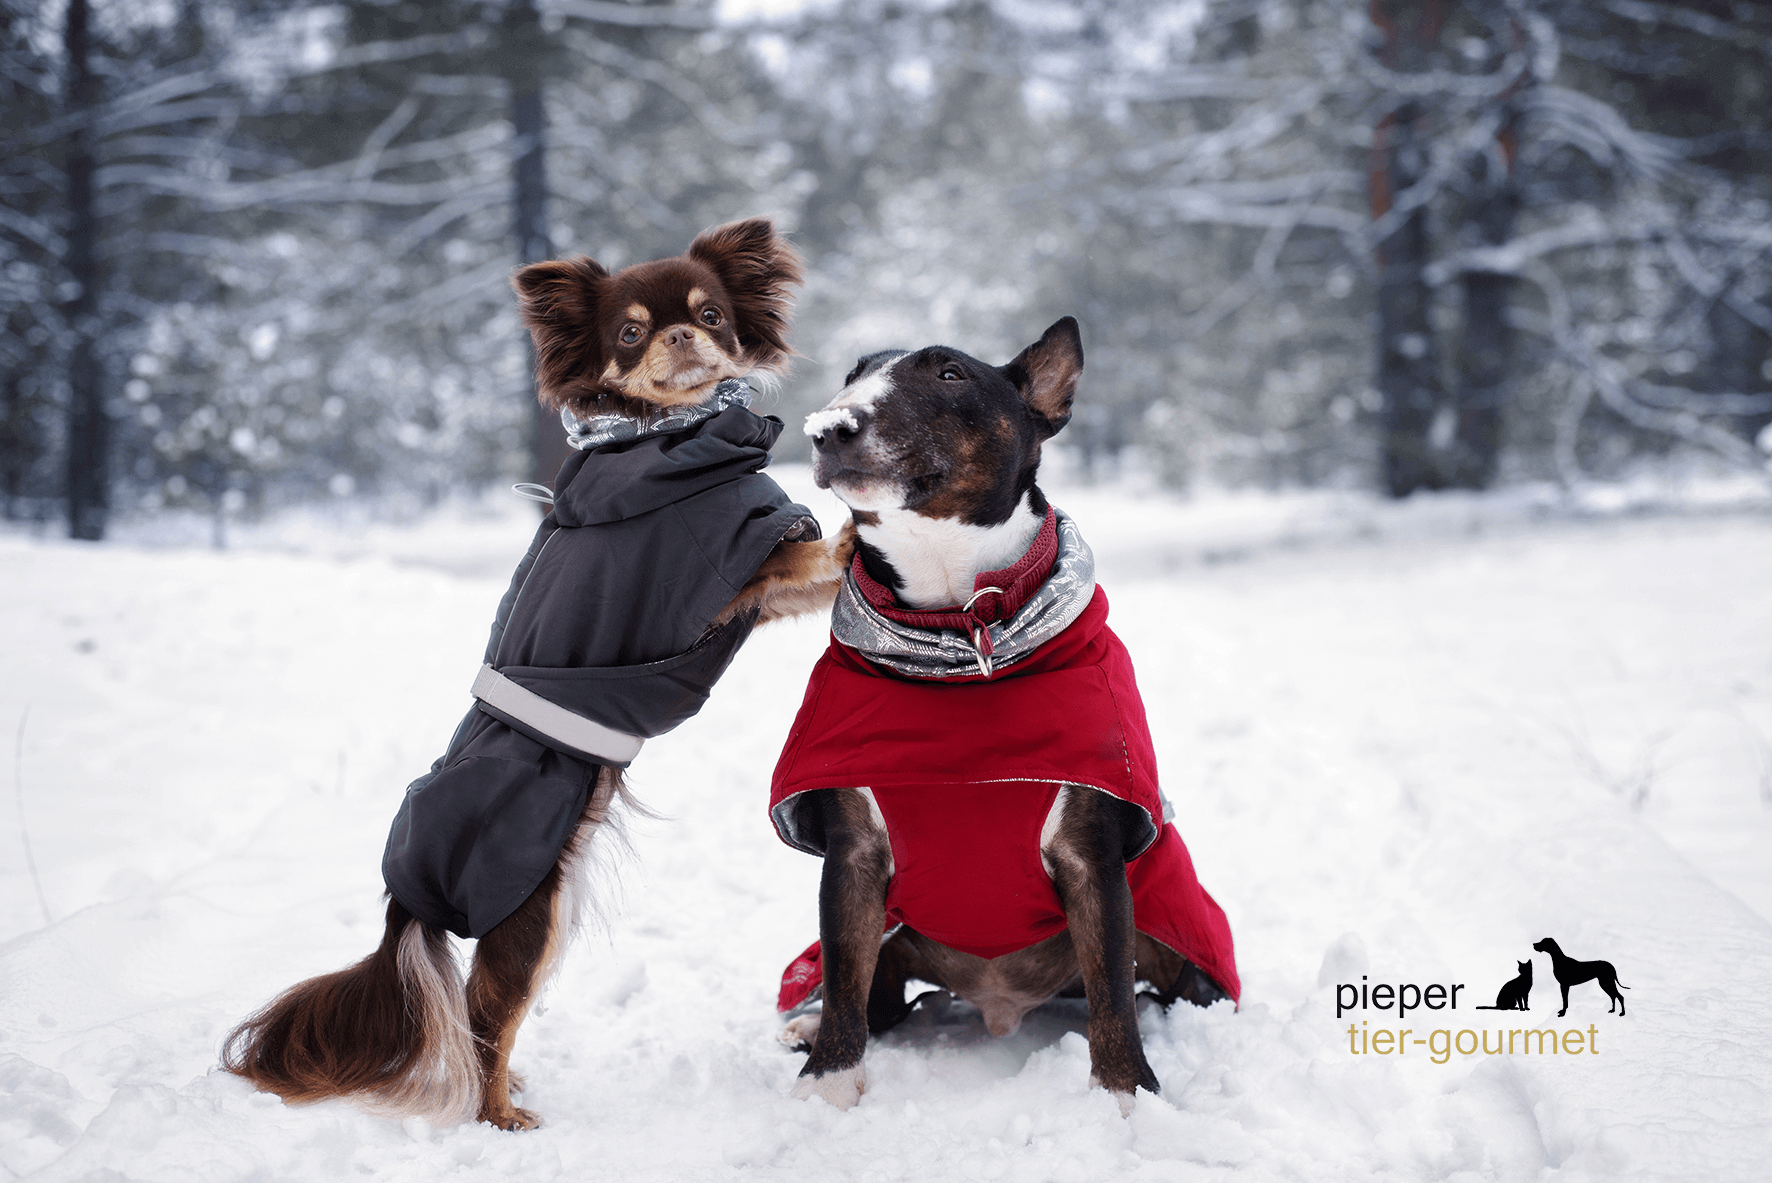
(835, 428)
(845, 418)
(852, 459)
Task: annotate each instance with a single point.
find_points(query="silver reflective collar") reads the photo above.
(593, 431)
(947, 653)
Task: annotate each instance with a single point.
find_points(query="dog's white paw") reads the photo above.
(1126, 1101)
(842, 1088)
(800, 1031)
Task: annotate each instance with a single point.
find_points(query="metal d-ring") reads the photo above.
(983, 591)
(985, 662)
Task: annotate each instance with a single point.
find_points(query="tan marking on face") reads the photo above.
(970, 475)
(670, 377)
(639, 313)
(697, 297)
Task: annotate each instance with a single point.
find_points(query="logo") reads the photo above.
(1517, 994)
(1514, 995)
(1571, 972)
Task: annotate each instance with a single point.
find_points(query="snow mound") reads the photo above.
(1399, 753)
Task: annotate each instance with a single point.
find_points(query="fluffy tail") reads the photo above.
(390, 1033)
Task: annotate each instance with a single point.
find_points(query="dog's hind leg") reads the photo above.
(1609, 983)
(851, 915)
(516, 957)
(1089, 871)
(1172, 976)
(899, 961)
(896, 966)
(510, 963)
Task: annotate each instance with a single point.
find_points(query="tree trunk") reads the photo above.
(1408, 370)
(13, 444)
(1487, 344)
(1408, 365)
(529, 176)
(89, 427)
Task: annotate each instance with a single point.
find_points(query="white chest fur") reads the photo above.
(939, 559)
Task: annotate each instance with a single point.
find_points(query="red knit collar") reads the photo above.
(1016, 583)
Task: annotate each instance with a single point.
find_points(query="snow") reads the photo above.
(1403, 741)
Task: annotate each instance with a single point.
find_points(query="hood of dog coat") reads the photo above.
(628, 478)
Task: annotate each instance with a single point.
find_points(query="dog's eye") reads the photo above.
(951, 374)
(630, 333)
(711, 317)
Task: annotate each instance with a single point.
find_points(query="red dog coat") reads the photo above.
(965, 770)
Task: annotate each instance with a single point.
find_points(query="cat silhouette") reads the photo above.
(1515, 994)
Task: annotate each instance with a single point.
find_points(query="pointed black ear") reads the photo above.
(559, 305)
(757, 267)
(1046, 373)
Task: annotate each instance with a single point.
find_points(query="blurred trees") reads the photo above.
(1651, 311)
(30, 249)
(115, 118)
(1398, 227)
(1401, 243)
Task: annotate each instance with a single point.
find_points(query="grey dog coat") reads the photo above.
(608, 616)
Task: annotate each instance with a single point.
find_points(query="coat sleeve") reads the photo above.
(735, 526)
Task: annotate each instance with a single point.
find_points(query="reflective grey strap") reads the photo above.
(556, 722)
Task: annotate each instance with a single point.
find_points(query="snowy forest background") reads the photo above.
(255, 253)
(254, 261)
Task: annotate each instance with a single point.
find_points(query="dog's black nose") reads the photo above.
(835, 429)
(833, 437)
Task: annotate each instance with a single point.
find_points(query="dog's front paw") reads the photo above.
(842, 1088)
(843, 547)
(1126, 1098)
(794, 579)
(799, 1032)
(510, 1117)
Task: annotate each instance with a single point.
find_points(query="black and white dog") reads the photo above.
(972, 759)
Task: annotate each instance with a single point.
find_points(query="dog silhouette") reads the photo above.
(1514, 995)
(1571, 972)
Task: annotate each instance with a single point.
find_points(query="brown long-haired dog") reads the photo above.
(399, 1032)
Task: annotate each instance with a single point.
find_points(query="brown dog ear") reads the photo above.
(559, 305)
(1046, 373)
(756, 266)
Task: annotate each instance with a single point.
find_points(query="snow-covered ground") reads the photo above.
(1405, 742)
